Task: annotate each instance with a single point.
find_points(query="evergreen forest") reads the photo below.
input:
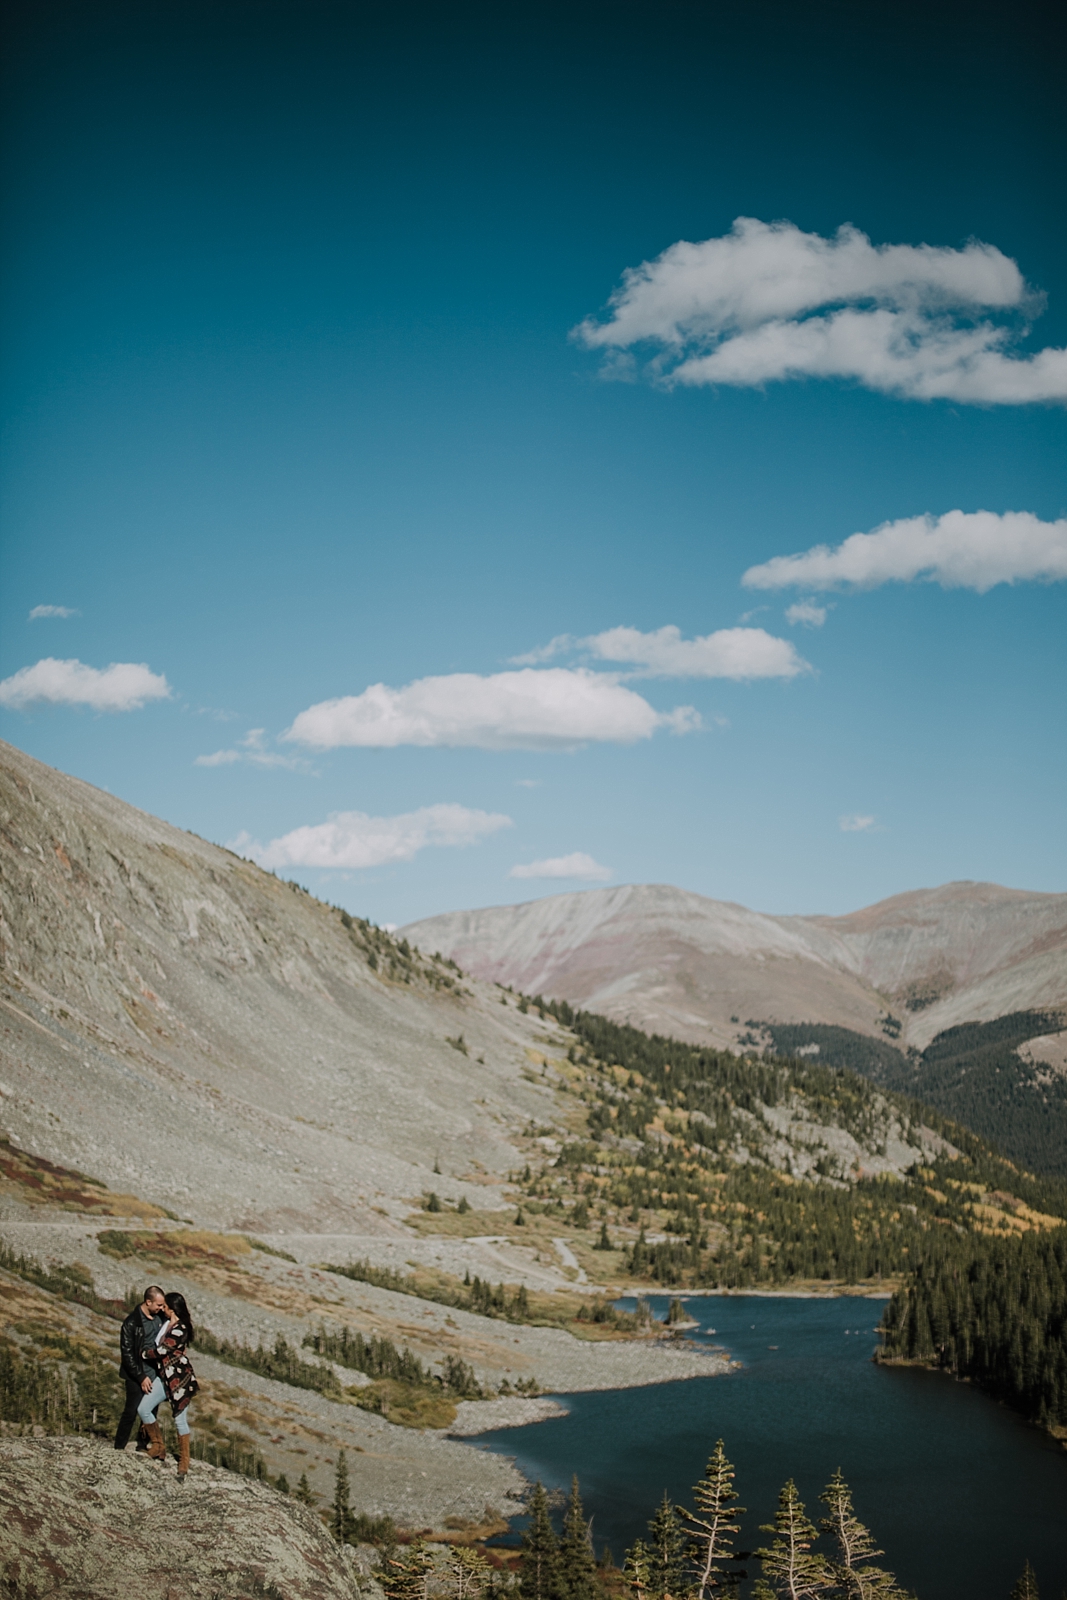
(972, 1073)
(993, 1311)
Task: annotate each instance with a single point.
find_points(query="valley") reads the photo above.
(402, 1199)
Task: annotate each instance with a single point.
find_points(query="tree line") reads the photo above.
(379, 1357)
(993, 1311)
(475, 1294)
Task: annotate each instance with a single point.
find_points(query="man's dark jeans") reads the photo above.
(134, 1396)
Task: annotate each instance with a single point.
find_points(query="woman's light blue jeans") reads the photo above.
(153, 1400)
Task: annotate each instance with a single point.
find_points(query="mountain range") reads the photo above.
(708, 971)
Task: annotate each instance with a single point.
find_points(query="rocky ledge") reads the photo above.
(82, 1521)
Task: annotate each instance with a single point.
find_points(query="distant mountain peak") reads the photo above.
(673, 961)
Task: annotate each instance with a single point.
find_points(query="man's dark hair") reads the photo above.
(153, 1289)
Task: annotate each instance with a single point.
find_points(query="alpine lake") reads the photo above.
(957, 1489)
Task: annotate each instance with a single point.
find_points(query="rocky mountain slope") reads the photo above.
(177, 1021)
(677, 963)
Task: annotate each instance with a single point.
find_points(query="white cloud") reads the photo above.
(960, 550)
(767, 302)
(807, 613)
(528, 783)
(252, 749)
(52, 611)
(533, 710)
(729, 653)
(353, 840)
(219, 758)
(856, 824)
(123, 686)
(578, 865)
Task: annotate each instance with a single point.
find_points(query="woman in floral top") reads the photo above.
(176, 1380)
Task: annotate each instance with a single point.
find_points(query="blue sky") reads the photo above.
(297, 402)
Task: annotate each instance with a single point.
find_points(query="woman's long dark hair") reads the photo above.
(176, 1302)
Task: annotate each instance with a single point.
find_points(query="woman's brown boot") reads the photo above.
(183, 1454)
(157, 1450)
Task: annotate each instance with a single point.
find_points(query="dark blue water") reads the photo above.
(958, 1490)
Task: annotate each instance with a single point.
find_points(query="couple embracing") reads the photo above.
(154, 1341)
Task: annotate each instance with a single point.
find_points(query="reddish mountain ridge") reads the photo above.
(675, 962)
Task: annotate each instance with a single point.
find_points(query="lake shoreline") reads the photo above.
(838, 1292)
(666, 1361)
(475, 1417)
(810, 1399)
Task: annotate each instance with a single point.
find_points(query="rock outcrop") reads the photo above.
(81, 1521)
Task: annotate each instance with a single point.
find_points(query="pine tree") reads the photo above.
(637, 1568)
(303, 1491)
(539, 1578)
(666, 1551)
(1025, 1587)
(712, 1522)
(792, 1571)
(405, 1578)
(341, 1511)
(855, 1548)
(577, 1564)
(469, 1571)
(281, 1483)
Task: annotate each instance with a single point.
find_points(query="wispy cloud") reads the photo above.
(959, 550)
(730, 653)
(556, 708)
(807, 613)
(253, 751)
(123, 686)
(52, 611)
(219, 758)
(768, 302)
(353, 840)
(528, 783)
(856, 824)
(578, 865)
(563, 644)
(739, 653)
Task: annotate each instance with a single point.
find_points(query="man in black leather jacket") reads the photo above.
(138, 1334)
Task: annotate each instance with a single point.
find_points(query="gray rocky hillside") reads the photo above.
(178, 1021)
